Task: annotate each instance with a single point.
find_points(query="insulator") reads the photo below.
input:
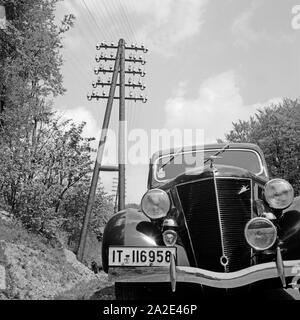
(111, 54)
(101, 66)
(129, 80)
(98, 46)
(93, 93)
(140, 82)
(129, 67)
(132, 45)
(94, 84)
(112, 44)
(99, 79)
(97, 58)
(96, 70)
(140, 69)
(89, 97)
(110, 67)
(103, 93)
(109, 79)
(103, 43)
(140, 58)
(130, 94)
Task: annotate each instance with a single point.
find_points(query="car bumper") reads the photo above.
(204, 277)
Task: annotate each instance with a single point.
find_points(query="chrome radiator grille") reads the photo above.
(216, 211)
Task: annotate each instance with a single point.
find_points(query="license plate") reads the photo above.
(140, 256)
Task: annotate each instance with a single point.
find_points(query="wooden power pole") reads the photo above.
(119, 68)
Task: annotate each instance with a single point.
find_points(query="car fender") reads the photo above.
(131, 227)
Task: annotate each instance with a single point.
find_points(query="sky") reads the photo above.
(210, 63)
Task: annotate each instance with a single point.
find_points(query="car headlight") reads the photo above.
(279, 193)
(155, 203)
(260, 233)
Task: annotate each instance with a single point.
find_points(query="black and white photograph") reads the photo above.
(150, 151)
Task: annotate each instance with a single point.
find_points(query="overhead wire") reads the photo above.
(103, 19)
(122, 26)
(100, 29)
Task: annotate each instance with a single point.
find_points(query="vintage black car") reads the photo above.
(212, 219)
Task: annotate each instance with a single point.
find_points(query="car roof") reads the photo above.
(251, 146)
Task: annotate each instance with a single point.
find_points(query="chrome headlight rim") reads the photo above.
(162, 215)
(265, 220)
(267, 196)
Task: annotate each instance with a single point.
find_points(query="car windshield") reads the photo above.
(168, 167)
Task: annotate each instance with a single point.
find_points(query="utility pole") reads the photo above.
(2, 58)
(115, 192)
(119, 69)
(122, 129)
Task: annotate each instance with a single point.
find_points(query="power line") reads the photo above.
(126, 14)
(108, 33)
(93, 18)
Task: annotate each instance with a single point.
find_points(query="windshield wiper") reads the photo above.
(217, 153)
(171, 158)
(182, 148)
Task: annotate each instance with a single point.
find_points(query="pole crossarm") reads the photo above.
(104, 96)
(103, 45)
(109, 168)
(133, 85)
(141, 73)
(133, 60)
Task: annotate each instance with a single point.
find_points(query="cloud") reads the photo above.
(160, 25)
(244, 31)
(79, 115)
(217, 105)
(167, 23)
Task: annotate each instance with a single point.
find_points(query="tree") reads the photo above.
(73, 210)
(276, 130)
(42, 157)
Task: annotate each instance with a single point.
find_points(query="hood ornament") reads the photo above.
(244, 189)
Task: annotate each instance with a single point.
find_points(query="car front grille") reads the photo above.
(216, 211)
